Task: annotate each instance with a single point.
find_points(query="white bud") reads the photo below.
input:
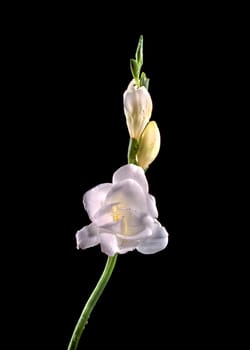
(138, 106)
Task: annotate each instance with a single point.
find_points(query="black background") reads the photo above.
(68, 129)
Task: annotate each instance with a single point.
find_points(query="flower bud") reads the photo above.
(138, 106)
(149, 145)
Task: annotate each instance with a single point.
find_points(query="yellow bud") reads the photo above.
(149, 145)
(138, 106)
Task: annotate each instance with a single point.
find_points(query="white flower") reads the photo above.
(123, 215)
(138, 106)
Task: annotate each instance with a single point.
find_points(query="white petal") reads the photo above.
(132, 85)
(108, 243)
(127, 246)
(127, 243)
(104, 216)
(146, 232)
(158, 241)
(113, 227)
(94, 198)
(129, 195)
(152, 206)
(87, 237)
(131, 171)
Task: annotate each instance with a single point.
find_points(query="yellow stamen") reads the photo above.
(115, 214)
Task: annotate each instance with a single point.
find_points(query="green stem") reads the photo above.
(89, 306)
(132, 151)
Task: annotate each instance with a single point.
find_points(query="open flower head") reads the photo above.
(138, 106)
(123, 215)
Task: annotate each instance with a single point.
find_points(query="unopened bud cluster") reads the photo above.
(138, 106)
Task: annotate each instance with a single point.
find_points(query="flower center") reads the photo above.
(119, 213)
(115, 214)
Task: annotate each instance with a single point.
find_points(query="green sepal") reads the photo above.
(144, 81)
(135, 70)
(139, 52)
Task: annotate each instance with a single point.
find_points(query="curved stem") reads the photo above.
(132, 151)
(89, 306)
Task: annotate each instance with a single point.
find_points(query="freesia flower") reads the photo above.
(138, 106)
(123, 215)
